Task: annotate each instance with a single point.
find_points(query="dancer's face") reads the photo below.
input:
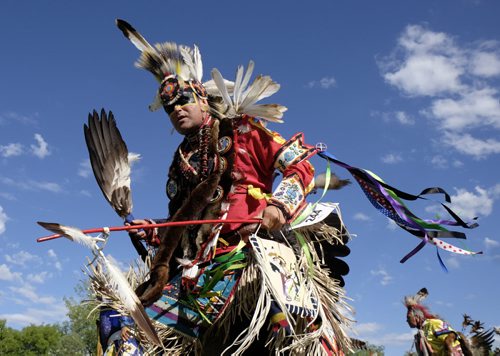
(187, 116)
(413, 320)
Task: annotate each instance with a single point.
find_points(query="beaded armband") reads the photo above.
(292, 152)
(289, 195)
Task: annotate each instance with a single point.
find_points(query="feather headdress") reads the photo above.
(414, 302)
(170, 60)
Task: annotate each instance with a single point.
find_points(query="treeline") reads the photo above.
(77, 336)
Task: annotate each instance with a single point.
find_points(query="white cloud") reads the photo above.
(430, 64)
(403, 118)
(41, 149)
(7, 196)
(392, 158)
(325, 83)
(439, 161)
(86, 193)
(391, 224)
(489, 243)
(11, 150)
(367, 328)
(58, 266)
(3, 220)
(7, 275)
(53, 312)
(471, 204)
(495, 191)
(452, 262)
(391, 339)
(22, 258)
(56, 263)
(386, 278)
(426, 75)
(485, 64)
(6, 117)
(27, 291)
(85, 168)
(32, 185)
(39, 277)
(475, 108)
(361, 217)
(472, 146)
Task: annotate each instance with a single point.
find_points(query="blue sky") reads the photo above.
(406, 89)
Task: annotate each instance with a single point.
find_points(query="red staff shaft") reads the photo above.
(152, 226)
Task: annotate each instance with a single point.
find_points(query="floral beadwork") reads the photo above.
(289, 193)
(292, 152)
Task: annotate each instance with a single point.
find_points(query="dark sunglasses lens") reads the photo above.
(186, 98)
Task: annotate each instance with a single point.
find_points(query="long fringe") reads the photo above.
(252, 300)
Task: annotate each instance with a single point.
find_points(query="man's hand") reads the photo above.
(273, 218)
(125, 333)
(134, 233)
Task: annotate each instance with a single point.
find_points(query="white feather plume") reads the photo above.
(129, 299)
(192, 58)
(244, 98)
(74, 234)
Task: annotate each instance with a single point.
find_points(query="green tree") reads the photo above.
(80, 331)
(370, 350)
(39, 339)
(10, 343)
(76, 336)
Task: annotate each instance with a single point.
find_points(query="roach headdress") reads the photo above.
(179, 70)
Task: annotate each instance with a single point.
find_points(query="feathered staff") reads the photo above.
(110, 161)
(116, 279)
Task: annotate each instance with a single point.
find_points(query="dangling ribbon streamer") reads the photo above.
(387, 200)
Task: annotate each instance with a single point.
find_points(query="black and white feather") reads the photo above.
(109, 159)
(166, 58)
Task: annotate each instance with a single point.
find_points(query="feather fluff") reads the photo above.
(109, 160)
(214, 91)
(72, 233)
(192, 58)
(219, 82)
(237, 84)
(335, 182)
(244, 99)
(269, 112)
(248, 75)
(198, 63)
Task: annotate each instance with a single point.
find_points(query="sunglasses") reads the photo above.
(186, 98)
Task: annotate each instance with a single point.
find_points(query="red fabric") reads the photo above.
(255, 152)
